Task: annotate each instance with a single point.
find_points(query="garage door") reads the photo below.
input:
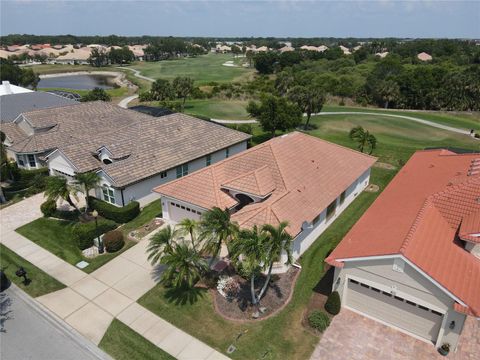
(394, 310)
(179, 212)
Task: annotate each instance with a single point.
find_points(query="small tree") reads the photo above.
(98, 58)
(184, 266)
(309, 99)
(216, 228)
(333, 303)
(183, 86)
(162, 90)
(86, 182)
(57, 187)
(189, 227)
(95, 95)
(160, 244)
(363, 138)
(275, 113)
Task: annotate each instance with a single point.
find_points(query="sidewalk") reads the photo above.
(90, 302)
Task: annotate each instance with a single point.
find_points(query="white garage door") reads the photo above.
(394, 310)
(179, 212)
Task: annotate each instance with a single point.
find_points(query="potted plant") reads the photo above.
(444, 349)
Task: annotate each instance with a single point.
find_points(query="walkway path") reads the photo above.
(137, 74)
(124, 102)
(411, 118)
(91, 301)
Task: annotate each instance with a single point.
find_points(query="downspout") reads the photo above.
(123, 200)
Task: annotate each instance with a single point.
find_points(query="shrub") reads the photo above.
(85, 233)
(318, 320)
(120, 215)
(477, 135)
(333, 303)
(113, 240)
(48, 208)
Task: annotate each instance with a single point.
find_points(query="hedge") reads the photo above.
(113, 241)
(120, 215)
(318, 320)
(333, 303)
(48, 208)
(85, 233)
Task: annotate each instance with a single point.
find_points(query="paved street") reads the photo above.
(32, 332)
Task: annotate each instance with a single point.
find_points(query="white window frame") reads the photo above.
(163, 175)
(108, 194)
(29, 160)
(182, 170)
(208, 160)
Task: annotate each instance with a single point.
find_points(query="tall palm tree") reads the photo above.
(249, 248)
(189, 227)
(363, 138)
(57, 187)
(277, 241)
(184, 266)
(86, 182)
(216, 229)
(160, 244)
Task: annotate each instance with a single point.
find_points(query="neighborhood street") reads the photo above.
(29, 331)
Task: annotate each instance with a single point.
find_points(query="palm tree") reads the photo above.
(86, 182)
(249, 248)
(184, 266)
(277, 241)
(363, 138)
(216, 228)
(189, 227)
(161, 243)
(57, 187)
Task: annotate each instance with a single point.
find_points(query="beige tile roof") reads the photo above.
(306, 174)
(142, 145)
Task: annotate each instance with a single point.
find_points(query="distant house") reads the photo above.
(296, 178)
(223, 49)
(346, 51)
(382, 54)
(412, 261)
(320, 48)
(132, 152)
(423, 56)
(21, 100)
(75, 56)
(138, 51)
(286, 48)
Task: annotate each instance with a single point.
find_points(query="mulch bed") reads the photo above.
(144, 230)
(383, 165)
(276, 297)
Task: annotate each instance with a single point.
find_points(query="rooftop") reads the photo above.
(298, 175)
(142, 145)
(418, 215)
(12, 105)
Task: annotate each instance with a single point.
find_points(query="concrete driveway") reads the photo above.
(355, 337)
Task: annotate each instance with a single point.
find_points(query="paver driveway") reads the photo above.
(355, 337)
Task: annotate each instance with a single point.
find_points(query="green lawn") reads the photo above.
(461, 120)
(218, 109)
(56, 237)
(203, 69)
(122, 343)
(41, 283)
(149, 212)
(283, 335)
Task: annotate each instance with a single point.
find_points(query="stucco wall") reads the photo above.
(409, 284)
(59, 163)
(311, 232)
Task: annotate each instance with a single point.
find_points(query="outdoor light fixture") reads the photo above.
(100, 242)
(21, 272)
(452, 325)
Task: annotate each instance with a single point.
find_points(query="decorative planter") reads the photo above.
(444, 350)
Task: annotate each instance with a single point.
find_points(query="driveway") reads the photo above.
(30, 331)
(355, 337)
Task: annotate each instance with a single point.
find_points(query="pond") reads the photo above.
(77, 82)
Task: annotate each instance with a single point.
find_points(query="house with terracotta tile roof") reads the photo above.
(423, 56)
(296, 178)
(412, 261)
(132, 152)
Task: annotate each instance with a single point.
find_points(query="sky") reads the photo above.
(281, 18)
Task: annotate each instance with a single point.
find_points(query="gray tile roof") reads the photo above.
(14, 104)
(142, 145)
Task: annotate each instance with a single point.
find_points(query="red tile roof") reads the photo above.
(418, 216)
(304, 175)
